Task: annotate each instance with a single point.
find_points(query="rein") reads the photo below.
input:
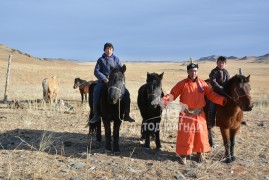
(236, 100)
(153, 94)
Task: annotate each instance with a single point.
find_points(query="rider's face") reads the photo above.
(221, 64)
(193, 73)
(109, 51)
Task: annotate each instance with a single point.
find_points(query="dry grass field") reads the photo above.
(42, 141)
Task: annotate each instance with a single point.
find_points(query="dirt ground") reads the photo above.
(42, 141)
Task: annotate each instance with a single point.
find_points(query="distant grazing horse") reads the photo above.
(149, 96)
(83, 87)
(229, 117)
(50, 89)
(111, 107)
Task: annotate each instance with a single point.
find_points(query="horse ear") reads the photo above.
(123, 68)
(247, 78)
(161, 75)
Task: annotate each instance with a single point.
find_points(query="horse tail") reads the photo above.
(45, 89)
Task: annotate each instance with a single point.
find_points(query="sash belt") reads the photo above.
(193, 112)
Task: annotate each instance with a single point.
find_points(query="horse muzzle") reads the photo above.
(112, 100)
(248, 108)
(153, 106)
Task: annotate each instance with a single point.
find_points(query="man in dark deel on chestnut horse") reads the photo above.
(102, 70)
(218, 76)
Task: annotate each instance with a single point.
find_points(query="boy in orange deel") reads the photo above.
(192, 129)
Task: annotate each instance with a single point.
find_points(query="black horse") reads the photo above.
(111, 108)
(148, 99)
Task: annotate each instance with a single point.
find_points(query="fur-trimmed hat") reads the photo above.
(191, 65)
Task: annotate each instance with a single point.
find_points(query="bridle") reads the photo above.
(153, 94)
(114, 87)
(118, 89)
(236, 100)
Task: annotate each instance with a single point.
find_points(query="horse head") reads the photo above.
(154, 89)
(116, 85)
(240, 91)
(76, 83)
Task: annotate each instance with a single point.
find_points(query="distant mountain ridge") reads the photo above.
(258, 58)
(8, 50)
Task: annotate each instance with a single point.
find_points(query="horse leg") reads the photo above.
(143, 131)
(98, 131)
(210, 137)
(116, 132)
(107, 134)
(50, 97)
(233, 133)
(157, 135)
(82, 97)
(86, 97)
(147, 136)
(157, 140)
(227, 144)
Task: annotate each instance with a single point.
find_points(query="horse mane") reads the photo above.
(116, 69)
(235, 79)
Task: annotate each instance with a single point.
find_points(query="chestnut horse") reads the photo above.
(229, 117)
(83, 87)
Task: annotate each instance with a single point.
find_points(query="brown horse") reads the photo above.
(83, 87)
(229, 117)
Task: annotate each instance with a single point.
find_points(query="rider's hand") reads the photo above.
(224, 101)
(105, 81)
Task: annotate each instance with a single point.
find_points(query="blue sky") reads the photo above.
(140, 30)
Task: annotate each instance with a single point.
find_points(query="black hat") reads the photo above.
(192, 65)
(108, 45)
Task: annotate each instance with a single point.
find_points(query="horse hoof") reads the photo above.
(233, 158)
(228, 160)
(117, 152)
(141, 141)
(108, 150)
(215, 146)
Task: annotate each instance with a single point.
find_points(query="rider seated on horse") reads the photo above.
(218, 76)
(102, 70)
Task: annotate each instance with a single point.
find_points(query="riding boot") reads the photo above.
(128, 118)
(95, 117)
(127, 114)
